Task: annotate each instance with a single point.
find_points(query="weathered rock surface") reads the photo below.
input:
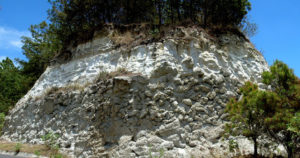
(173, 101)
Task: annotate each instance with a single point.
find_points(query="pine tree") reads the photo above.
(247, 115)
(283, 81)
(274, 113)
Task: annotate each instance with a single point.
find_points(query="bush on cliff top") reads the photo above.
(79, 19)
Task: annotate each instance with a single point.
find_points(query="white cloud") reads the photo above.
(2, 58)
(11, 38)
(17, 44)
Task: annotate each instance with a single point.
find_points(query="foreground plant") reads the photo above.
(50, 140)
(2, 118)
(280, 116)
(273, 113)
(247, 114)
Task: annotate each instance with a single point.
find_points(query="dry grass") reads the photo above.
(69, 87)
(39, 150)
(217, 30)
(123, 38)
(55, 90)
(119, 72)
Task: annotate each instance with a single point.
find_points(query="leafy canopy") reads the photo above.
(275, 113)
(79, 19)
(13, 85)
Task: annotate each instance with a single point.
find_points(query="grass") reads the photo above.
(69, 87)
(119, 72)
(18, 147)
(123, 38)
(39, 150)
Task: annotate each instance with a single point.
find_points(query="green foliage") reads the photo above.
(155, 33)
(2, 119)
(18, 147)
(39, 49)
(77, 20)
(13, 85)
(233, 145)
(57, 155)
(225, 12)
(51, 140)
(274, 113)
(280, 118)
(294, 124)
(247, 115)
(282, 78)
(37, 153)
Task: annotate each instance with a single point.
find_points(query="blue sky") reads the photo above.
(278, 27)
(16, 16)
(278, 30)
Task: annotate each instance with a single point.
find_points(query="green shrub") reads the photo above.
(51, 140)
(2, 119)
(37, 153)
(273, 113)
(18, 147)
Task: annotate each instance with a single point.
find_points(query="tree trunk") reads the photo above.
(178, 10)
(191, 10)
(205, 13)
(290, 152)
(160, 12)
(255, 147)
(288, 142)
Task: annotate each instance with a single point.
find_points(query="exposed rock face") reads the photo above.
(173, 101)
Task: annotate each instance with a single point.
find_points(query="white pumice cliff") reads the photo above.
(170, 101)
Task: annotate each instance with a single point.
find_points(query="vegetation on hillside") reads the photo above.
(37, 150)
(275, 113)
(79, 19)
(13, 85)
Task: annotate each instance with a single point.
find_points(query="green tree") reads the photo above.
(274, 113)
(224, 12)
(76, 21)
(279, 116)
(247, 115)
(294, 124)
(2, 119)
(13, 85)
(39, 50)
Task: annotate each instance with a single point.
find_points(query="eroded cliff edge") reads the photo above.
(162, 96)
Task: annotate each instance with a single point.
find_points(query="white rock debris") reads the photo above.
(173, 100)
